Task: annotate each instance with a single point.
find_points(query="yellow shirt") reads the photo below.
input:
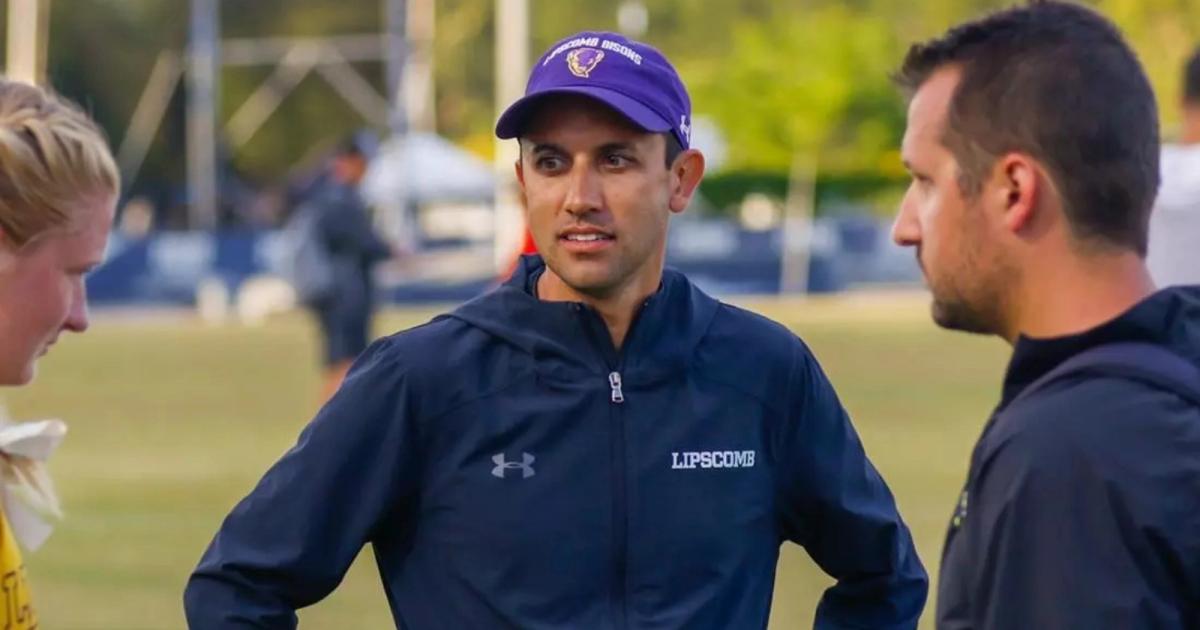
(18, 612)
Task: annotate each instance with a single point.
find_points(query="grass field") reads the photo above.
(172, 422)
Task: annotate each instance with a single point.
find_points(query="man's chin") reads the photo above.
(583, 274)
(591, 286)
(958, 316)
(582, 278)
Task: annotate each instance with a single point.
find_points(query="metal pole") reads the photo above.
(203, 65)
(396, 216)
(43, 44)
(418, 71)
(148, 115)
(397, 53)
(28, 25)
(512, 67)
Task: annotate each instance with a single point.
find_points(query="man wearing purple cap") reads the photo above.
(595, 444)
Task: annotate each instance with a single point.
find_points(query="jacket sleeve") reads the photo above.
(1089, 515)
(288, 544)
(834, 503)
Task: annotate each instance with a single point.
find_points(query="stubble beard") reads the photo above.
(972, 297)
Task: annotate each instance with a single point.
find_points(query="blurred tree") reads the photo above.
(780, 77)
(812, 82)
(101, 52)
(1164, 33)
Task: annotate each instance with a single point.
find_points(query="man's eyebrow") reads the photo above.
(546, 147)
(617, 146)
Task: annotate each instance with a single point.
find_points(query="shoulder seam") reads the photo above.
(770, 405)
(391, 341)
(513, 380)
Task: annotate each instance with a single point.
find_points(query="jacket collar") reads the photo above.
(567, 337)
(1170, 317)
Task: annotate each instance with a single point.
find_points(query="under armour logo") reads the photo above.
(526, 465)
(685, 128)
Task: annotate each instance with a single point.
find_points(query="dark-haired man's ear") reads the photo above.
(1020, 186)
(686, 173)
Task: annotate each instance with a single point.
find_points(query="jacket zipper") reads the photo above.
(620, 501)
(620, 490)
(621, 513)
(614, 381)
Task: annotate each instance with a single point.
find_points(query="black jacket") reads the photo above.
(1082, 507)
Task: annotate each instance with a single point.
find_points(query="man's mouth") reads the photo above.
(585, 240)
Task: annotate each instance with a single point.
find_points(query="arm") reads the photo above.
(1088, 515)
(288, 544)
(834, 504)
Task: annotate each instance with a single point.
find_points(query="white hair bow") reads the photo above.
(30, 503)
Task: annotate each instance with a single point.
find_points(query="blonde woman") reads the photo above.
(58, 188)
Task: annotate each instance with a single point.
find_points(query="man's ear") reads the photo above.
(519, 169)
(1019, 190)
(686, 173)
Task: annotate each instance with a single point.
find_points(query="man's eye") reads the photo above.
(549, 163)
(617, 160)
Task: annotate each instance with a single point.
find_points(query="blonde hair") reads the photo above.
(52, 156)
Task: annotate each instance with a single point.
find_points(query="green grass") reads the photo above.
(172, 422)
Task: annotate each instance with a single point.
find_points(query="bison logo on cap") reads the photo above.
(582, 61)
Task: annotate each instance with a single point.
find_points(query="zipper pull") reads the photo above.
(614, 381)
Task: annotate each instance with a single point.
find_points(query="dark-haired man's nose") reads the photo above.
(906, 231)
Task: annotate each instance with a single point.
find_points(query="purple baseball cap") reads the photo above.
(631, 77)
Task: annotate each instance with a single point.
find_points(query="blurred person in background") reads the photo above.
(1032, 141)
(1174, 256)
(337, 281)
(595, 444)
(58, 192)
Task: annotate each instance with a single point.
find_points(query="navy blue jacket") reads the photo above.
(1082, 507)
(513, 470)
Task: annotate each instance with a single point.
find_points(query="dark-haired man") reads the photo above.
(1032, 141)
(596, 444)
